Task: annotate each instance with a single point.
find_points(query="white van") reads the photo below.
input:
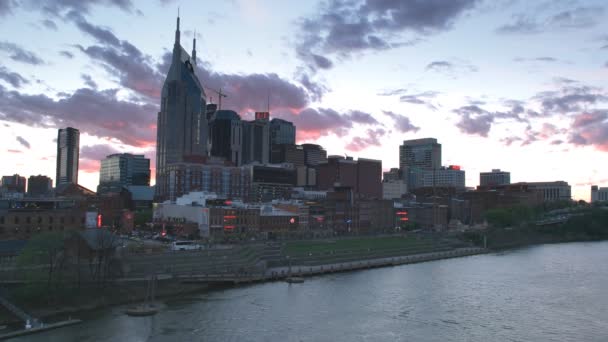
(184, 246)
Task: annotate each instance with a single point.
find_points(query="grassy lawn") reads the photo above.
(302, 248)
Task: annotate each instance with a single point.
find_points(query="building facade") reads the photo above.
(282, 132)
(552, 191)
(363, 175)
(125, 169)
(314, 155)
(256, 141)
(182, 127)
(496, 177)
(14, 183)
(39, 186)
(420, 153)
(598, 194)
(68, 151)
(226, 136)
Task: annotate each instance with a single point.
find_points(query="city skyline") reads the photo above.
(545, 108)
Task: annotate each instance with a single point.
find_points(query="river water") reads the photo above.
(542, 293)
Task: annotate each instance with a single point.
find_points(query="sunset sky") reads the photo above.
(512, 84)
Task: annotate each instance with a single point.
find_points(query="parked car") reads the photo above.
(185, 246)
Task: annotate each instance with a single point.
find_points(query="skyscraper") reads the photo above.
(182, 120)
(39, 186)
(68, 146)
(282, 132)
(256, 141)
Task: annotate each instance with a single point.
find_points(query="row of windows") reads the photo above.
(26, 230)
(39, 219)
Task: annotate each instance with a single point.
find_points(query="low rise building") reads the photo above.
(496, 177)
(598, 194)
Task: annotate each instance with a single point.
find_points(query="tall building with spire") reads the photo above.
(182, 128)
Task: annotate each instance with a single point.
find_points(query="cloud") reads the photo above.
(66, 54)
(569, 99)
(345, 27)
(572, 18)
(88, 80)
(97, 152)
(18, 54)
(371, 139)
(6, 7)
(13, 151)
(49, 24)
(536, 59)
(98, 113)
(591, 128)
(23, 142)
(475, 120)
(451, 68)
(13, 78)
(60, 7)
(402, 123)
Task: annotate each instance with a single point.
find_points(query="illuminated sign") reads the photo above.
(292, 220)
(99, 221)
(262, 115)
(454, 167)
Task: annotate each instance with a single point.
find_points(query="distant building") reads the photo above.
(392, 175)
(182, 126)
(123, 170)
(287, 153)
(450, 176)
(214, 176)
(598, 194)
(552, 191)
(256, 140)
(496, 177)
(392, 189)
(68, 145)
(420, 153)
(39, 186)
(14, 183)
(225, 135)
(363, 176)
(270, 182)
(314, 154)
(282, 132)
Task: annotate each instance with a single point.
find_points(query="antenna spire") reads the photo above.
(194, 49)
(177, 29)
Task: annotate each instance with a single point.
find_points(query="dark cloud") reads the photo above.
(23, 142)
(439, 65)
(98, 113)
(19, 54)
(101, 34)
(13, 78)
(313, 123)
(6, 7)
(346, 27)
(88, 80)
(573, 18)
(452, 68)
(322, 62)
(475, 120)
(402, 123)
(97, 152)
(61, 7)
(372, 138)
(49, 24)
(66, 54)
(423, 98)
(13, 151)
(569, 99)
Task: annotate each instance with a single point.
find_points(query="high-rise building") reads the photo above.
(598, 194)
(392, 175)
(124, 169)
(282, 132)
(256, 140)
(314, 154)
(14, 183)
(68, 146)
(226, 136)
(39, 186)
(420, 153)
(450, 176)
(182, 121)
(496, 177)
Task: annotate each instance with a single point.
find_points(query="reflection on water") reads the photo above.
(544, 293)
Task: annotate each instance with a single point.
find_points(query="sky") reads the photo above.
(516, 85)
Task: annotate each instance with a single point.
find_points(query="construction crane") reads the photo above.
(219, 95)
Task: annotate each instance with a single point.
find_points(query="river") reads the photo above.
(542, 293)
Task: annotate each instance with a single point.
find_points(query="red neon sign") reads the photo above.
(404, 219)
(228, 202)
(402, 213)
(229, 227)
(229, 216)
(98, 220)
(292, 220)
